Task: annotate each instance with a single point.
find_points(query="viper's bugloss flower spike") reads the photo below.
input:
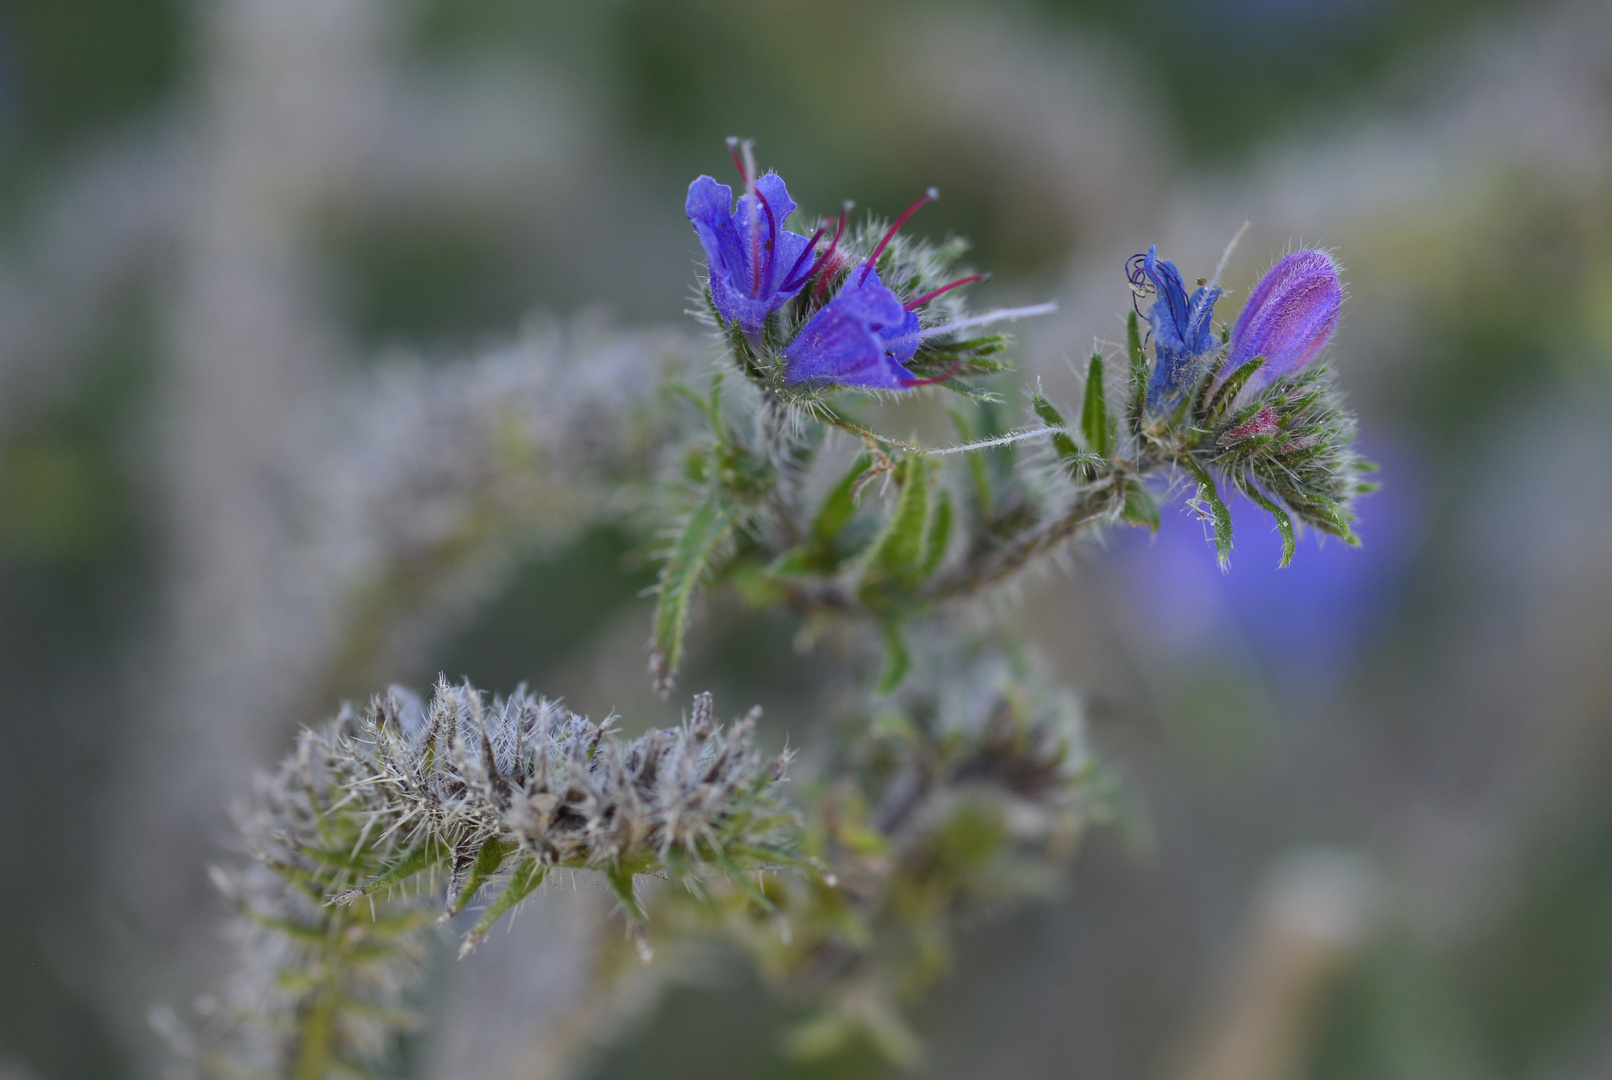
(1182, 326)
(755, 264)
(862, 337)
(1289, 318)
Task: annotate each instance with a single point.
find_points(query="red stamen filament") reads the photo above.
(942, 377)
(831, 267)
(919, 301)
(928, 197)
(823, 259)
(811, 245)
(755, 247)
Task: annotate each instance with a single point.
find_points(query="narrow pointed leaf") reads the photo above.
(840, 503)
(1223, 398)
(702, 534)
(422, 857)
(1053, 418)
(896, 660)
(1138, 371)
(939, 534)
(486, 864)
(527, 876)
(1219, 515)
(1284, 524)
(1094, 413)
(1044, 409)
(895, 564)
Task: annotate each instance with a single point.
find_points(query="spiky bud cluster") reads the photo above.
(361, 823)
(502, 792)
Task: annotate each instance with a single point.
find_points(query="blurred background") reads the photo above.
(1372, 826)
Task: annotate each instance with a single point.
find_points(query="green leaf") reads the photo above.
(896, 659)
(527, 876)
(1139, 507)
(1138, 364)
(468, 879)
(895, 564)
(1218, 513)
(620, 879)
(822, 551)
(1284, 524)
(1198, 395)
(1223, 398)
(939, 534)
(980, 474)
(1044, 409)
(1067, 450)
(840, 503)
(418, 859)
(705, 529)
(1094, 413)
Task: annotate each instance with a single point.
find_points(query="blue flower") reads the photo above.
(1288, 319)
(755, 264)
(1183, 330)
(863, 337)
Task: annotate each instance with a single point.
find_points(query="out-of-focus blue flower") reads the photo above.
(1308, 624)
(1182, 326)
(755, 264)
(862, 337)
(1288, 319)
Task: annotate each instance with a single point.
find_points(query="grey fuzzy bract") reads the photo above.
(529, 771)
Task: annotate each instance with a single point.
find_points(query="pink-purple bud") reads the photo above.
(1288, 319)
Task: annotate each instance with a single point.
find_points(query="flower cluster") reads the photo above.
(850, 327)
(1251, 406)
(1288, 320)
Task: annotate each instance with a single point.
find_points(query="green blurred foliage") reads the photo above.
(1527, 999)
(71, 69)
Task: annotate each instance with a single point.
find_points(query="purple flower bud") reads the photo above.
(862, 337)
(1288, 319)
(755, 264)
